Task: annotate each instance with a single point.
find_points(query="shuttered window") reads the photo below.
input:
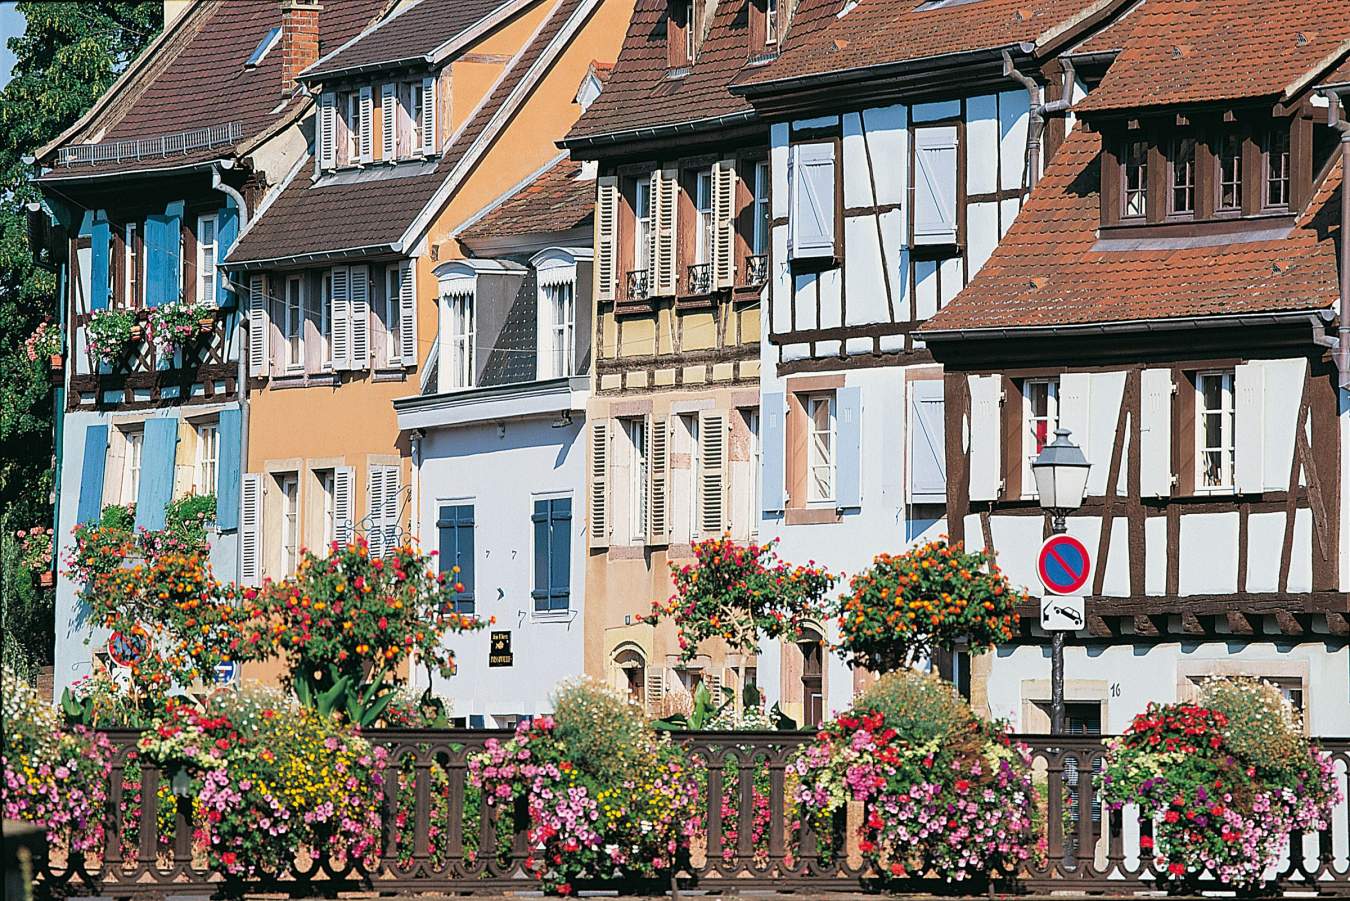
(389, 122)
(157, 468)
(400, 315)
(227, 480)
(663, 255)
(606, 236)
(813, 191)
(344, 503)
(658, 481)
(598, 488)
(365, 131)
(250, 529)
(427, 117)
(552, 521)
(289, 488)
(935, 182)
(327, 130)
(455, 531)
(723, 238)
(820, 447)
(458, 308)
(1214, 431)
(360, 317)
(163, 255)
(258, 325)
(639, 486)
(383, 499)
(91, 474)
(927, 447)
(293, 322)
(712, 473)
(773, 453)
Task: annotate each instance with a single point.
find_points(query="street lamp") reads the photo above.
(1061, 473)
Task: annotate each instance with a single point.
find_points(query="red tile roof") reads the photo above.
(1112, 38)
(558, 199)
(1049, 271)
(200, 80)
(1198, 51)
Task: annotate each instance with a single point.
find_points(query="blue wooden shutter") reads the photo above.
(157, 459)
(927, 446)
(163, 255)
(552, 554)
(91, 474)
(227, 480)
(541, 567)
(98, 274)
(227, 231)
(773, 451)
(848, 425)
(455, 528)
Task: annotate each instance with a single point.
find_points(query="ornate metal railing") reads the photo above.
(699, 278)
(757, 269)
(452, 844)
(639, 285)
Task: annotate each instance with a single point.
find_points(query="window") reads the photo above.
(131, 472)
(1183, 175)
(290, 522)
(642, 217)
(691, 443)
(552, 520)
(326, 317)
(690, 30)
(560, 340)
(206, 259)
(813, 681)
(1277, 167)
(328, 490)
(1134, 166)
(703, 207)
(770, 21)
(751, 418)
(1214, 430)
(1041, 398)
(820, 461)
(293, 322)
(208, 458)
(131, 263)
(459, 308)
(393, 289)
(636, 430)
(1230, 174)
(414, 99)
(455, 531)
(354, 126)
(759, 242)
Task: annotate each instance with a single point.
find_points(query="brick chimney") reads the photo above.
(299, 39)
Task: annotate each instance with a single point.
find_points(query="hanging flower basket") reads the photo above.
(206, 325)
(174, 326)
(58, 362)
(111, 334)
(46, 341)
(47, 579)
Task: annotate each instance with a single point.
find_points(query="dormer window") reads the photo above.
(345, 132)
(1134, 172)
(770, 22)
(1182, 164)
(681, 33)
(1275, 150)
(1230, 174)
(690, 32)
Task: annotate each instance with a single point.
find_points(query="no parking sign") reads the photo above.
(1063, 565)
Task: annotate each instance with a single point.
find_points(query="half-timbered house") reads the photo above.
(1174, 294)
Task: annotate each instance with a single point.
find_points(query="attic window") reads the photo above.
(268, 41)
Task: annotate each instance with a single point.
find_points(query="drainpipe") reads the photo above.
(1340, 345)
(241, 376)
(1039, 110)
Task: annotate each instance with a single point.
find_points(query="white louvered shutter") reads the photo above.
(1249, 388)
(407, 312)
(712, 475)
(724, 223)
(428, 115)
(667, 277)
(935, 185)
(658, 480)
(598, 514)
(812, 200)
(257, 325)
(606, 237)
(360, 316)
(344, 488)
(340, 317)
(654, 197)
(983, 437)
(1155, 433)
(250, 528)
(365, 136)
(327, 130)
(376, 495)
(388, 122)
(654, 691)
(393, 487)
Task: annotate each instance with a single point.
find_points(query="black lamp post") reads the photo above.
(1061, 472)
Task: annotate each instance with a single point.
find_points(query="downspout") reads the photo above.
(1039, 110)
(1340, 345)
(241, 376)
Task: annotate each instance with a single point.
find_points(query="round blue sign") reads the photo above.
(1063, 564)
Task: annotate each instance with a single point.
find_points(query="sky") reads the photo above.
(11, 25)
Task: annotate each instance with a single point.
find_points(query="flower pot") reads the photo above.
(46, 579)
(58, 362)
(207, 325)
(137, 333)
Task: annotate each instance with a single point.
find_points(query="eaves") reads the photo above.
(497, 403)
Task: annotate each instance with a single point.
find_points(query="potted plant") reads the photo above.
(110, 332)
(46, 341)
(35, 554)
(174, 325)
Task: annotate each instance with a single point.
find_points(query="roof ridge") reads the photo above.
(392, 11)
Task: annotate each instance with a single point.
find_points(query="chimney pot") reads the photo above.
(299, 39)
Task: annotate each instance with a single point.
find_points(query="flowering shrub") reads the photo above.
(186, 519)
(940, 793)
(35, 549)
(607, 798)
(55, 777)
(740, 593)
(109, 332)
(927, 599)
(1225, 781)
(177, 324)
(44, 343)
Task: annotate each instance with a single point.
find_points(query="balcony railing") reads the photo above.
(440, 839)
(757, 269)
(699, 278)
(638, 287)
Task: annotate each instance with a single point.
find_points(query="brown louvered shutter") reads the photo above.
(712, 479)
(598, 513)
(724, 223)
(658, 476)
(606, 238)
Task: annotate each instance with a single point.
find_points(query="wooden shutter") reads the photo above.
(340, 316)
(393, 486)
(91, 474)
(456, 532)
(360, 317)
(228, 435)
(658, 480)
(773, 453)
(1283, 382)
(375, 510)
(407, 312)
(712, 474)
(560, 552)
(667, 278)
(258, 325)
(250, 529)
(388, 122)
(813, 200)
(327, 130)
(163, 255)
(848, 454)
(365, 134)
(1075, 413)
(724, 223)
(606, 238)
(344, 492)
(1249, 427)
(985, 446)
(157, 463)
(1155, 433)
(99, 237)
(227, 232)
(927, 448)
(428, 115)
(935, 185)
(598, 497)
(654, 689)
(654, 198)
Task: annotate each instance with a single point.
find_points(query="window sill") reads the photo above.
(747, 293)
(553, 616)
(1224, 226)
(705, 301)
(635, 307)
(398, 374)
(812, 516)
(304, 380)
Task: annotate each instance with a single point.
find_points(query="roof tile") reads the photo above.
(559, 199)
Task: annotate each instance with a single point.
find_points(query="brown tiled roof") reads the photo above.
(335, 214)
(409, 34)
(557, 200)
(1048, 270)
(205, 82)
(1340, 76)
(1198, 51)
(1112, 38)
(880, 32)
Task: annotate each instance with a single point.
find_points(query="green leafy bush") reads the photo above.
(919, 706)
(187, 517)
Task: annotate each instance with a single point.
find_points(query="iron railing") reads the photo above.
(757, 269)
(699, 278)
(480, 849)
(639, 285)
(156, 147)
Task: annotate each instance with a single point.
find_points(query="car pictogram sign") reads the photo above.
(1063, 565)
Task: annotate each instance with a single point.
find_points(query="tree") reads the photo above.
(68, 55)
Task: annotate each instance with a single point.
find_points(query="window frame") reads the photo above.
(770, 23)
(761, 204)
(639, 466)
(703, 211)
(460, 307)
(543, 598)
(289, 546)
(642, 224)
(1126, 192)
(134, 440)
(328, 500)
(326, 319)
(560, 322)
(131, 266)
(1239, 175)
(1227, 411)
(393, 317)
(1030, 418)
(208, 458)
(1276, 136)
(830, 463)
(1174, 170)
(293, 324)
(207, 273)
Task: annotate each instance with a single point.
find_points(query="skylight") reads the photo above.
(268, 41)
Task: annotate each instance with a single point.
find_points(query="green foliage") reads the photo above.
(26, 611)
(919, 706)
(599, 726)
(118, 516)
(187, 517)
(706, 709)
(1263, 728)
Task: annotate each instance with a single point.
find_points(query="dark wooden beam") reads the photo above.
(1099, 627)
(1191, 625)
(1289, 625)
(1238, 623)
(1337, 624)
(1143, 625)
